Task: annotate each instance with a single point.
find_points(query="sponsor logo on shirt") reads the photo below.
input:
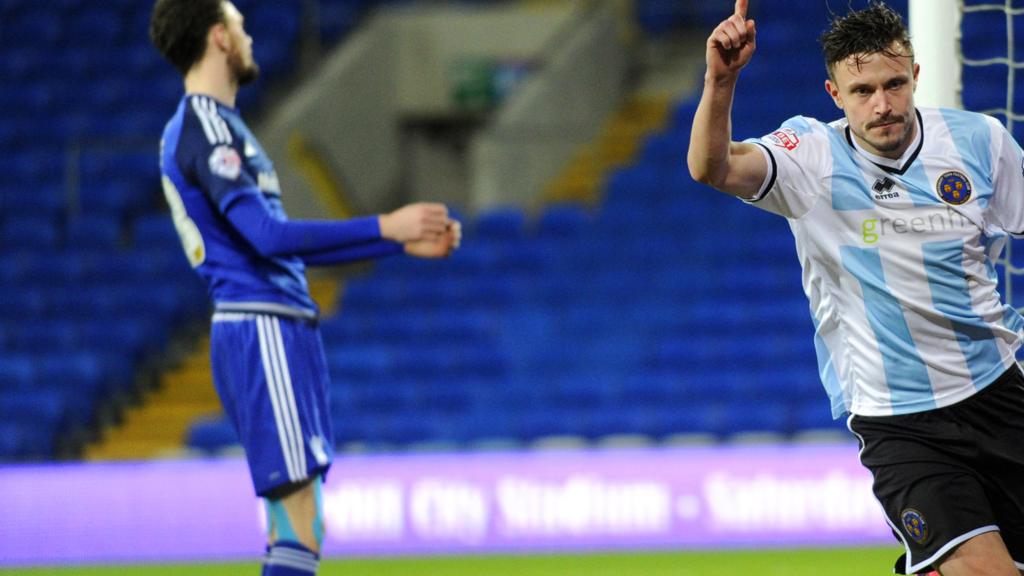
(874, 229)
(785, 138)
(954, 187)
(225, 162)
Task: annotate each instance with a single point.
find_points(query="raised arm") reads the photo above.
(735, 168)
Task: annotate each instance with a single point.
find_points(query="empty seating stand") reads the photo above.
(94, 283)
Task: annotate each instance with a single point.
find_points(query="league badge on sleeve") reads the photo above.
(784, 138)
(954, 188)
(225, 162)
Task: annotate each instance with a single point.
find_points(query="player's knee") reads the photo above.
(295, 514)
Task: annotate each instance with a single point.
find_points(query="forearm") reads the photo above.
(366, 251)
(271, 236)
(711, 133)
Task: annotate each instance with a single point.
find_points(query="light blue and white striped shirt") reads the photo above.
(898, 256)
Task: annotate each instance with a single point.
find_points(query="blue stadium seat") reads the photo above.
(211, 435)
(43, 409)
(978, 42)
(94, 231)
(155, 231)
(35, 232)
(17, 372)
(14, 441)
(666, 148)
(338, 17)
(815, 414)
(499, 224)
(566, 220)
(365, 363)
(94, 27)
(39, 25)
(659, 17)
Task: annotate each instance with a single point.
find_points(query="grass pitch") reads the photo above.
(803, 562)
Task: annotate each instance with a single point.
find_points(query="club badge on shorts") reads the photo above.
(915, 526)
(954, 187)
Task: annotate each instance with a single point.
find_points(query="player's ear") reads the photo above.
(219, 37)
(917, 72)
(833, 92)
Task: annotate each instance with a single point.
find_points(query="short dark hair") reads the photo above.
(178, 29)
(872, 30)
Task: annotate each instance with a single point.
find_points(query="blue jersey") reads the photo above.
(209, 159)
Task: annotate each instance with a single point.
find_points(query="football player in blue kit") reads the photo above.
(266, 352)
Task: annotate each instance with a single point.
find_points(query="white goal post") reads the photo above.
(935, 32)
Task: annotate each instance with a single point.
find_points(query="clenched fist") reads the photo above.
(415, 222)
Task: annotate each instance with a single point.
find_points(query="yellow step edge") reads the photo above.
(616, 144)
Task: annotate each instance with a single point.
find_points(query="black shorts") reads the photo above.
(944, 476)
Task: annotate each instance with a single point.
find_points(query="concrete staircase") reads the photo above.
(581, 179)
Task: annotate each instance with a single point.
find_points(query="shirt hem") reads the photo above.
(273, 308)
(934, 403)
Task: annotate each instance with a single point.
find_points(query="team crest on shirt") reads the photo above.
(954, 188)
(785, 138)
(225, 162)
(915, 526)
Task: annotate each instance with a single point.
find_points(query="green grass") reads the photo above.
(804, 562)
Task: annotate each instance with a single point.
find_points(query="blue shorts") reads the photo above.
(271, 376)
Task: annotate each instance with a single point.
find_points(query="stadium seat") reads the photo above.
(211, 435)
(565, 220)
(29, 232)
(154, 231)
(337, 17)
(94, 231)
(37, 26)
(14, 441)
(499, 224)
(77, 309)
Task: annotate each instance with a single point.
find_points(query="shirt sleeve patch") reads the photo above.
(784, 138)
(225, 162)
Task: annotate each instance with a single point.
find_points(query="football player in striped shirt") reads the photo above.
(898, 213)
(266, 353)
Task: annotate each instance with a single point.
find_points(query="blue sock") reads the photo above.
(286, 558)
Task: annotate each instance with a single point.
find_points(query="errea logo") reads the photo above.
(883, 189)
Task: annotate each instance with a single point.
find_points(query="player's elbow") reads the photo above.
(704, 173)
(697, 172)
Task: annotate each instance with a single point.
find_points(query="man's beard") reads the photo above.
(881, 146)
(242, 74)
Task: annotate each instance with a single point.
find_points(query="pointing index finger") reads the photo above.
(741, 8)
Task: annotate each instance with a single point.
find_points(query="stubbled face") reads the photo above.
(877, 96)
(243, 67)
